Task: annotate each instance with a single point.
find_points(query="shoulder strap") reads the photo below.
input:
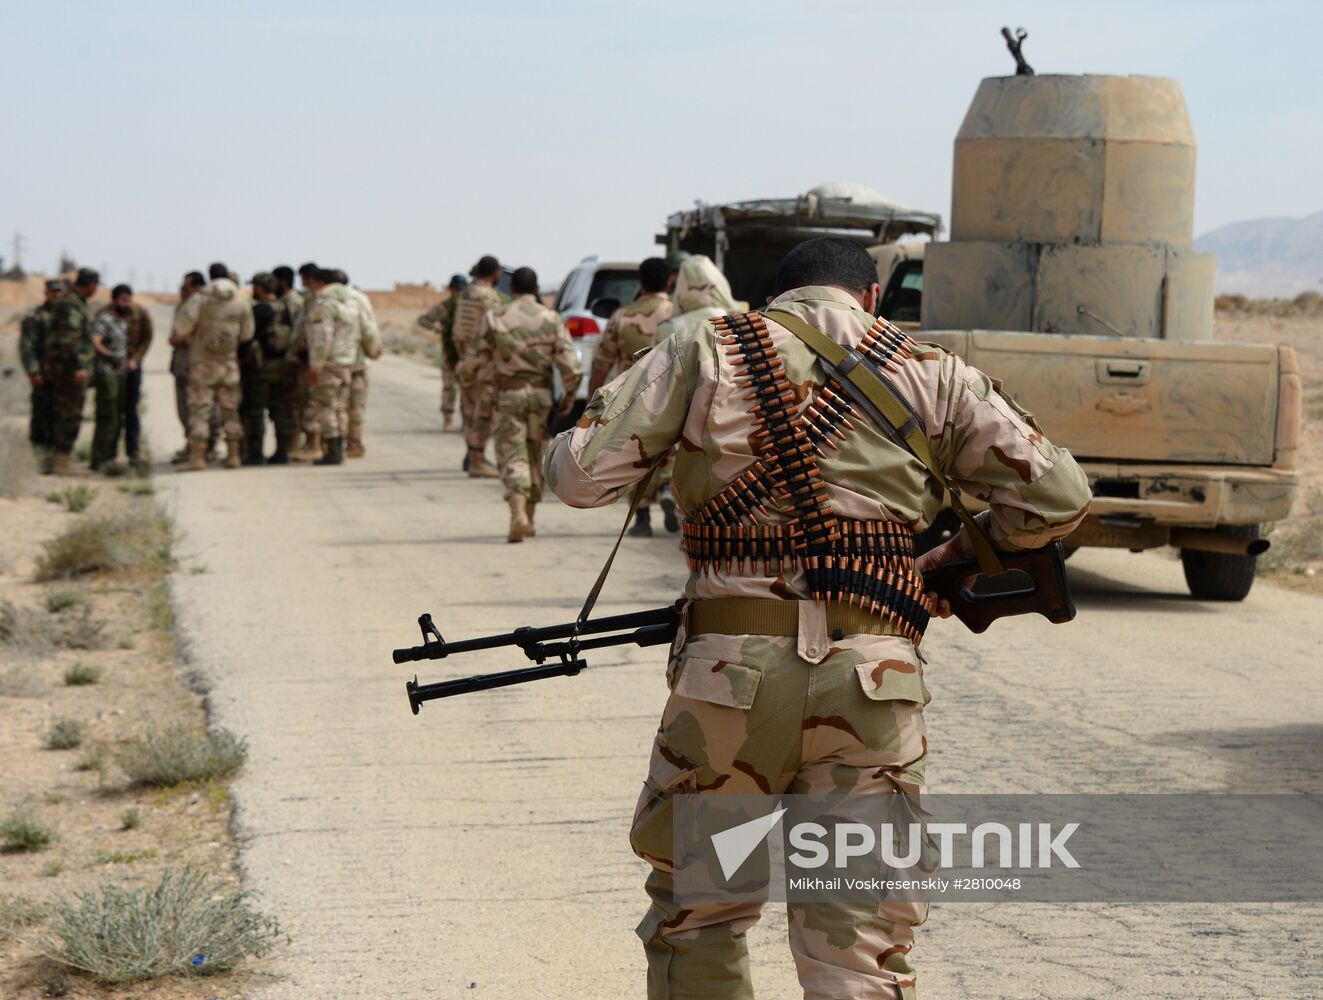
(854, 369)
(640, 491)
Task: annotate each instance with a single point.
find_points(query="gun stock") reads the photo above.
(1046, 591)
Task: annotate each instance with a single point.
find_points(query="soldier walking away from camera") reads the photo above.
(290, 300)
(334, 330)
(306, 448)
(194, 282)
(369, 348)
(264, 388)
(32, 352)
(476, 393)
(631, 329)
(520, 344)
(213, 331)
(141, 333)
(67, 366)
(441, 318)
(110, 341)
(785, 677)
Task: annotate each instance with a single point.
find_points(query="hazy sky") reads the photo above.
(402, 140)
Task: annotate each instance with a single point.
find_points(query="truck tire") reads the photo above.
(1216, 576)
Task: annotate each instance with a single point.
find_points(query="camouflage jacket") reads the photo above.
(69, 336)
(631, 328)
(369, 339)
(298, 303)
(701, 292)
(521, 341)
(334, 328)
(112, 330)
(475, 302)
(441, 318)
(221, 320)
(32, 337)
(682, 396)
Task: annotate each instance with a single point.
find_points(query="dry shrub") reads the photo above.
(21, 831)
(64, 734)
(185, 925)
(16, 913)
(105, 543)
(31, 634)
(177, 756)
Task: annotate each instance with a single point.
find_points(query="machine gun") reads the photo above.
(642, 628)
(1014, 43)
(1034, 582)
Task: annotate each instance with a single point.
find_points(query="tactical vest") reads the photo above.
(469, 312)
(865, 564)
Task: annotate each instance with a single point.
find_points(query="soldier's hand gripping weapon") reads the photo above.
(1034, 581)
(1014, 43)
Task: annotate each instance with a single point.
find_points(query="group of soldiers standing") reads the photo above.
(499, 353)
(65, 347)
(298, 358)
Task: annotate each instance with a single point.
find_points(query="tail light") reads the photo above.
(582, 326)
(1289, 393)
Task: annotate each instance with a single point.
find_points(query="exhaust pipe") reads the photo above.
(1203, 540)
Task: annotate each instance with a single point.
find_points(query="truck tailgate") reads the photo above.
(1135, 400)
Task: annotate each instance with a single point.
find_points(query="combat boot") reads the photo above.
(254, 444)
(669, 517)
(312, 448)
(355, 449)
(519, 526)
(62, 464)
(478, 467)
(335, 452)
(232, 458)
(447, 423)
(531, 530)
(281, 455)
(642, 524)
(197, 456)
(181, 456)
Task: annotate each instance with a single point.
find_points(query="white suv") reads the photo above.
(588, 296)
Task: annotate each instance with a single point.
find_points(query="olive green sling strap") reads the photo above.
(861, 377)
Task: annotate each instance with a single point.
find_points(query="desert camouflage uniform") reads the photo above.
(32, 352)
(632, 328)
(752, 714)
(369, 345)
(334, 331)
(221, 321)
(520, 343)
(441, 318)
(68, 351)
(476, 392)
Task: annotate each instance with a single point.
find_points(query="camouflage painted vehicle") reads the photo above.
(1070, 275)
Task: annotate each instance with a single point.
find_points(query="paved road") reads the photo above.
(480, 849)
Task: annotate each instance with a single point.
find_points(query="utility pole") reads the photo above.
(18, 244)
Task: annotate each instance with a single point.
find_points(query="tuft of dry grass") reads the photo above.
(185, 925)
(22, 831)
(64, 734)
(16, 913)
(177, 756)
(76, 499)
(106, 543)
(32, 634)
(64, 599)
(18, 681)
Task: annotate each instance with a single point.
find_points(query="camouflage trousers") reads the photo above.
(521, 438)
(748, 716)
(265, 394)
(358, 392)
(296, 392)
(41, 420)
(109, 416)
(66, 408)
(477, 398)
(449, 388)
(327, 412)
(213, 385)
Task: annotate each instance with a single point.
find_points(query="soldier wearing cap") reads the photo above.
(476, 392)
(441, 318)
(192, 283)
(787, 675)
(674, 260)
(110, 340)
(141, 332)
(32, 354)
(67, 365)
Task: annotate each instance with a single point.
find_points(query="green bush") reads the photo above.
(75, 498)
(23, 831)
(176, 756)
(17, 912)
(186, 925)
(81, 674)
(64, 599)
(105, 543)
(131, 818)
(64, 734)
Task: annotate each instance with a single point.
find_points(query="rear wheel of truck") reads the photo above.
(1217, 576)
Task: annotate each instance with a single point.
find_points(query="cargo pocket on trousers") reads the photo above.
(717, 682)
(651, 835)
(895, 675)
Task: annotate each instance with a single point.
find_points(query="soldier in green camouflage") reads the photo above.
(214, 329)
(110, 340)
(263, 374)
(441, 318)
(67, 365)
(775, 687)
(520, 344)
(476, 393)
(32, 353)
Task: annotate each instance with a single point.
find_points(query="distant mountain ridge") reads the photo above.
(1267, 258)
